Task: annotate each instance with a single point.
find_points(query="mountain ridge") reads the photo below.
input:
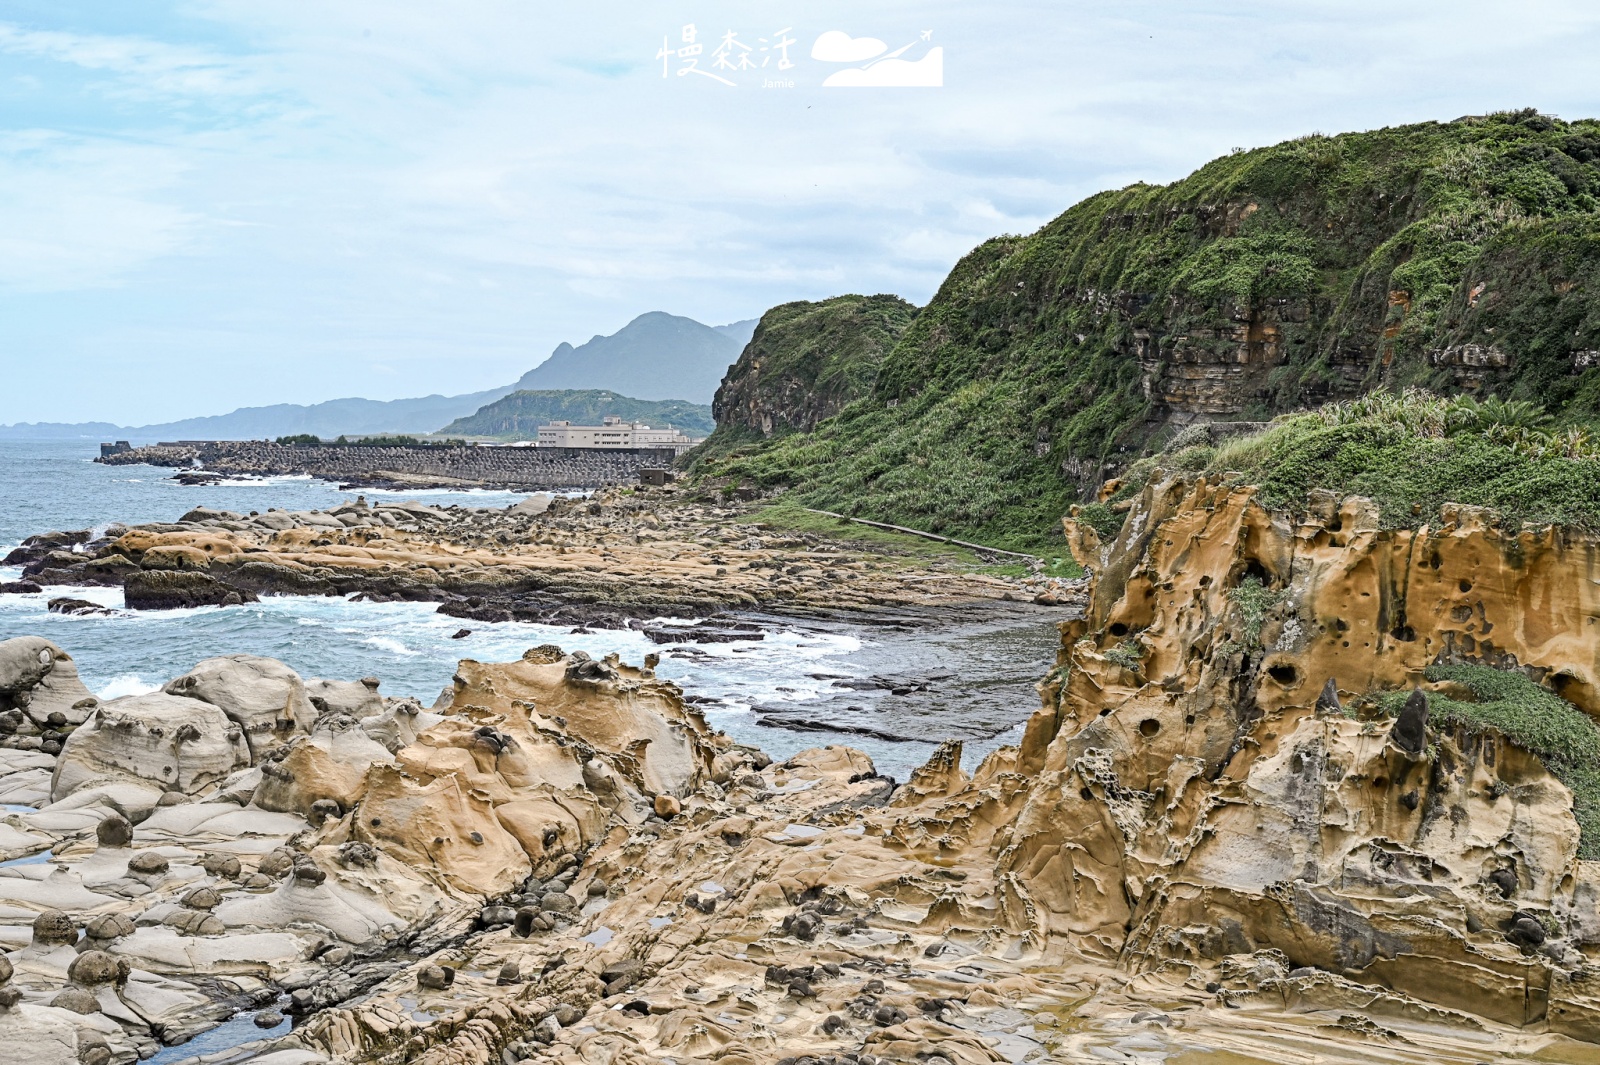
(414, 415)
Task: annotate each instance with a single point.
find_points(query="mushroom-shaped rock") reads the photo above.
(276, 864)
(94, 967)
(309, 873)
(195, 923)
(158, 741)
(1410, 732)
(148, 863)
(202, 898)
(225, 866)
(75, 999)
(52, 928)
(262, 696)
(109, 926)
(113, 831)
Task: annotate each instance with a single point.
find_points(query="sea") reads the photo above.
(892, 690)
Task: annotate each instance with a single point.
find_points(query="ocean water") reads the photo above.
(801, 670)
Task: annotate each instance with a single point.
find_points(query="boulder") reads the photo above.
(40, 679)
(262, 696)
(157, 740)
(174, 589)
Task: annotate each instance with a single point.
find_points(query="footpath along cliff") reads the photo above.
(1299, 784)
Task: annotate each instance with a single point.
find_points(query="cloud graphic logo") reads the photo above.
(890, 72)
(837, 46)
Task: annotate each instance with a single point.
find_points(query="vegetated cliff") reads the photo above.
(805, 363)
(1412, 453)
(519, 415)
(1464, 256)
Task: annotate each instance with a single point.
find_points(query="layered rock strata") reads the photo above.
(622, 554)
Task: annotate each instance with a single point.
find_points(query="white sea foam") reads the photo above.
(394, 647)
(127, 684)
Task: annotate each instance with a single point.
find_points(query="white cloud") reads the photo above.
(152, 66)
(80, 213)
(836, 46)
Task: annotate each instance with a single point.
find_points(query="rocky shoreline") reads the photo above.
(403, 467)
(618, 559)
(1251, 817)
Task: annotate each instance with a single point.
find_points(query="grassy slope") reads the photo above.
(805, 362)
(1019, 385)
(519, 415)
(1410, 453)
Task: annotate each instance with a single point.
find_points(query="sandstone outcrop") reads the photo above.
(618, 559)
(1281, 799)
(1215, 773)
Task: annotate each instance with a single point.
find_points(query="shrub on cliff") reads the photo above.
(1560, 735)
(1460, 256)
(1411, 452)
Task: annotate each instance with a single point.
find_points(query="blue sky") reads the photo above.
(220, 203)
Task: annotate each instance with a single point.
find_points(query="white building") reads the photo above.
(614, 432)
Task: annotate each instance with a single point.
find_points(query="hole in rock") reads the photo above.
(1188, 719)
(1403, 633)
(1254, 569)
(1085, 794)
(1380, 782)
(1118, 629)
(1341, 624)
(1149, 727)
(1464, 584)
(1336, 525)
(1284, 674)
(1561, 683)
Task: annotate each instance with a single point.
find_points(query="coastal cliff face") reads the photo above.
(804, 364)
(1216, 778)
(1457, 256)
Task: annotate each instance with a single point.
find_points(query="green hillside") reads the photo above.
(519, 415)
(805, 363)
(1463, 257)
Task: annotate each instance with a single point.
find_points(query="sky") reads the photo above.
(224, 203)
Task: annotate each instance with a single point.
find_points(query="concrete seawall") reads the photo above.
(419, 466)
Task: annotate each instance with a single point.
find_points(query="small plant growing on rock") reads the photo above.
(1253, 599)
(1127, 654)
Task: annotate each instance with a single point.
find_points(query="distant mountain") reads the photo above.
(331, 418)
(519, 415)
(739, 331)
(655, 356)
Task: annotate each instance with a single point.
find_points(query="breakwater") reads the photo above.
(422, 465)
